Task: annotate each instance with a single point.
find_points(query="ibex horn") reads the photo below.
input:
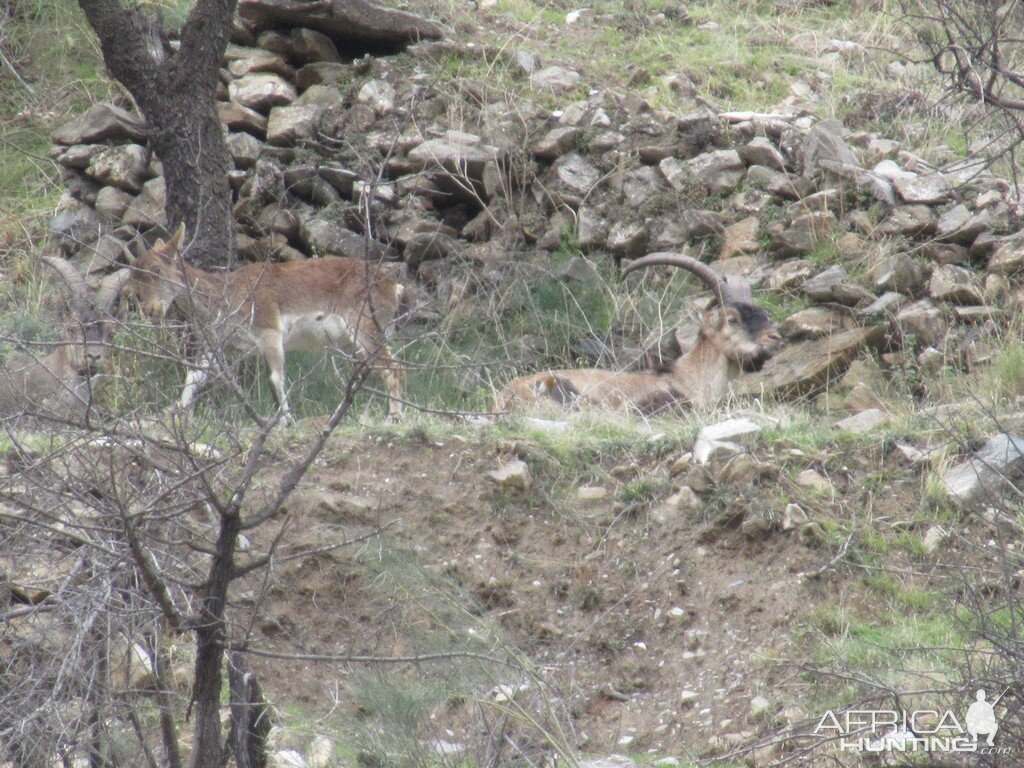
(80, 293)
(110, 289)
(725, 293)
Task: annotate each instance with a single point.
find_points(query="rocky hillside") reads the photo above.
(690, 589)
(358, 157)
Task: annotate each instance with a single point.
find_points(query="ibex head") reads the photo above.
(735, 324)
(156, 277)
(87, 332)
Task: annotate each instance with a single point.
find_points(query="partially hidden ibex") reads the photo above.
(56, 385)
(734, 335)
(315, 304)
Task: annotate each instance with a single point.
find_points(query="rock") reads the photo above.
(688, 698)
(824, 146)
(591, 492)
(933, 538)
(147, 210)
(811, 478)
(955, 285)
(945, 253)
(761, 151)
(120, 166)
(322, 73)
(605, 142)
(641, 185)
(922, 320)
(244, 149)
(99, 124)
(378, 95)
(460, 154)
(350, 24)
(864, 421)
(79, 155)
(932, 189)
(899, 273)
(677, 176)
(514, 475)
(591, 228)
(793, 517)
(309, 46)
(239, 118)
(627, 239)
(821, 287)
(1007, 258)
(573, 175)
(685, 499)
(555, 78)
(884, 306)
(756, 525)
(612, 761)
(909, 220)
(742, 237)
(861, 397)
(725, 438)
(802, 367)
(760, 706)
(75, 226)
(323, 237)
(289, 125)
(556, 143)
(259, 91)
(977, 314)
(777, 183)
(721, 171)
(790, 275)
(960, 226)
(323, 96)
(987, 474)
(525, 61)
(242, 61)
(815, 322)
(111, 203)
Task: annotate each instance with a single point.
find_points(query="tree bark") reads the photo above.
(176, 92)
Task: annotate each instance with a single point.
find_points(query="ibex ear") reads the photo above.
(713, 317)
(175, 240)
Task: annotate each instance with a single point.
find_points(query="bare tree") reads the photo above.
(176, 92)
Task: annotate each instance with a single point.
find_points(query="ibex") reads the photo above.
(734, 335)
(273, 308)
(56, 384)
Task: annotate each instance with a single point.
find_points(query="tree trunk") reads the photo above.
(176, 91)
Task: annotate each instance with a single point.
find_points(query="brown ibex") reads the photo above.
(734, 335)
(272, 308)
(56, 384)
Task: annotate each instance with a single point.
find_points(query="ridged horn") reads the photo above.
(80, 294)
(110, 289)
(712, 279)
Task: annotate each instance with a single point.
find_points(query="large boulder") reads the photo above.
(101, 123)
(805, 367)
(350, 24)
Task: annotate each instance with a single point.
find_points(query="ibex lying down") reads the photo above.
(734, 335)
(314, 304)
(55, 384)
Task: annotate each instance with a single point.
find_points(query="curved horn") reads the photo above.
(80, 294)
(110, 290)
(712, 279)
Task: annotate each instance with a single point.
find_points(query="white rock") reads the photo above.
(726, 438)
(514, 474)
(864, 421)
(933, 538)
(985, 473)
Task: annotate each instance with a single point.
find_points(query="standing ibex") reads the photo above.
(56, 384)
(272, 308)
(733, 335)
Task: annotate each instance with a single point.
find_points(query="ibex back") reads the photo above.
(316, 304)
(735, 335)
